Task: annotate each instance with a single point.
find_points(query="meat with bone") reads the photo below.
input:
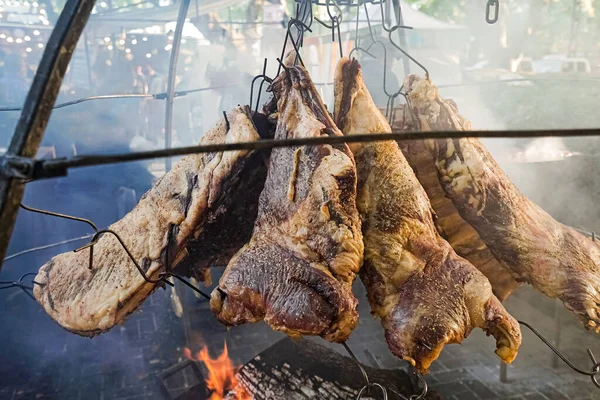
(297, 270)
(463, 238)
(185, 212)
(555, 259)
(425, 294)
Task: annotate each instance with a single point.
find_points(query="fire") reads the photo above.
(221, 375)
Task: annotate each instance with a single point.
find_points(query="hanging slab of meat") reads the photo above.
(425, 294)
(555, 259)
(297, 270)
(463, 238)
(185, 214)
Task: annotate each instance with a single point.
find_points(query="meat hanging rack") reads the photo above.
(18, 166)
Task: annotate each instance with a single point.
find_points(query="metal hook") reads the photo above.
(406, 53)
(304, 12)
(394, 28)
(336, 21)
(162, 277)
(19, 284)
(264, 78)
(383, 47)
(166, 275)
(301, 27)
(492, 11)
(281, 64)
(54, 214)
(365, 390)
(368, 384)
(392, 116)
(595, 368)
(420, 396)
(227, 126)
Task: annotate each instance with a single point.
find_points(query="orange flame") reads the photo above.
(221, 375)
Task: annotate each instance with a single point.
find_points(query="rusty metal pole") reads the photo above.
(38, 107)
(183, 10)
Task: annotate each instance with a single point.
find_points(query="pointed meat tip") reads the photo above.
(347, 82)
(504, 328)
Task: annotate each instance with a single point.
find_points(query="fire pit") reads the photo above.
(291, 369)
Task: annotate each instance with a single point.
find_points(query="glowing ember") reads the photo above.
(221, 375)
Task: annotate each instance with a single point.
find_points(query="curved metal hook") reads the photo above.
(165, 275)
(391, 30)
(162, 276)
(304, 12)
(595, 368)
(373, 40)
(19, 284)
(301, 26)
(368, 384)
(264, 78)
(335, 19)
(365, 389)
(384, 48)
(406, 53)
(54, 214)
(385, 28)
(392, 112)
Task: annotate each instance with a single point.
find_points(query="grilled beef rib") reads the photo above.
(183, 220)
(297, 270)
(555, 259)
(463, 238)
(425, 294)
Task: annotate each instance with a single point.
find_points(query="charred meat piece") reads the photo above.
(181, 221)
(297, 270)
(425, 294)
(463, 238)
(555, 259)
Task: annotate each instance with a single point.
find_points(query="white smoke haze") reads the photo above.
(565, 185)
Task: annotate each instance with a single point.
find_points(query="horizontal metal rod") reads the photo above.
(47, 246)
(517, 80)
(158, 96)
(90, 160)
(162, 96)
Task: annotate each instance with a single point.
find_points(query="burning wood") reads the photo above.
(302, 370)
(221, 380)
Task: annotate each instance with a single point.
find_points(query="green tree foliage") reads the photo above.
(447, 10)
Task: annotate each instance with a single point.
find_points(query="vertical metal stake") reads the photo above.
(183, 10)
(503, 372)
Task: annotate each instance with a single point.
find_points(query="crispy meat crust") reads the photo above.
(171, 221)
(425, 294)
(297, 270)
(464, 239)
(555, 259)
